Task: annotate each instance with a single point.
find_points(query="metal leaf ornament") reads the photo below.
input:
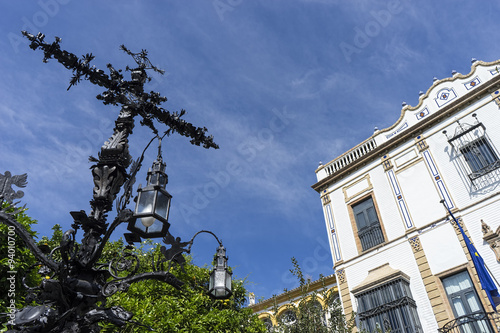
(7, 181)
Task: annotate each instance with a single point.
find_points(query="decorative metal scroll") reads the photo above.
(7, 181)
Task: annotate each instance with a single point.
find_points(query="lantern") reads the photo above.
(153, 204)
(220, 278)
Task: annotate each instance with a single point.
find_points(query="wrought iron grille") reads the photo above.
(471, 323)
(370, 236)
(389, 307)
(480, 157)
(477, 156)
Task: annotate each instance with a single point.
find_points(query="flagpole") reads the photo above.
(488, 286)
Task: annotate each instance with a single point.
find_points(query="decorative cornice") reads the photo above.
(379, 275)
(446, 112)
(423, 97)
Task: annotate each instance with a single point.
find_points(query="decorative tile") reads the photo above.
(496, 97)
(415, 244)
(472, 84)
(422, 113)
(444, 96)
(400, 129)
(341, 276)
(386, 162)
(437, 178)
(421, 143)
(331, 225)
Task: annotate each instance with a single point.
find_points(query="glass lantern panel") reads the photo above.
(155, 227)
(220, 262)
(145, 205)
(220, 279)
(163, 180)
(140, 225)
(153, 179)
(211, 281)
(162, 203)
(228, 281)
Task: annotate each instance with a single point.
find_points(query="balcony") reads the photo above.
(480, 322)
(349, 157)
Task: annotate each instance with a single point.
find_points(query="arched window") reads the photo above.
(288, 317)
(268, 323)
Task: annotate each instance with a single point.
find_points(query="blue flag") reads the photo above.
(484, 276)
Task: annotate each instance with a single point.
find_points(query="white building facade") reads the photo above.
(400, 261)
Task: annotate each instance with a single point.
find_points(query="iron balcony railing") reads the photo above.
(370, 236)
(479, 322)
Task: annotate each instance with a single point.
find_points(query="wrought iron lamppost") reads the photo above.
(71, 299)
(153, 203)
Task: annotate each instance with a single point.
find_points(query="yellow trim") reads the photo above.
(411, 163)
(309, 298)
(265, 315)
(317, 285)
(346, 187)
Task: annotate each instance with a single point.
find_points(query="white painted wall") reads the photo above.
(421, 194)
(397, 256)
(442, 248)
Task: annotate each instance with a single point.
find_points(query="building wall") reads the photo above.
(407, 169)
(269, 310)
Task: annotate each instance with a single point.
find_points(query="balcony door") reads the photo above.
(465, 303)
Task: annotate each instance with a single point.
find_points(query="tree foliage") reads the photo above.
(16, 262)
(166, 309)
(315, 311)
(155, 305)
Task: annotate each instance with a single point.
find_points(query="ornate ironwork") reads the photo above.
(75, 283)
(6, 181)
(476, 322)
(478, 157)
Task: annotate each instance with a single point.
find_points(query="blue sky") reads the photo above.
(281, 85)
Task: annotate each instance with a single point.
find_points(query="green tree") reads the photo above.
(16, 262)
(155, 305)
(166, 309)
(311, 315)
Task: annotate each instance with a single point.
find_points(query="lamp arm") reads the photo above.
(199, 232)
(19, 229)
(114, 286)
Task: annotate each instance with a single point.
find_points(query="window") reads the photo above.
(465, 302)
(368, 225)
(476, 155)
(288, 317)
(389, 306)
(268, 324)
(480, 157)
